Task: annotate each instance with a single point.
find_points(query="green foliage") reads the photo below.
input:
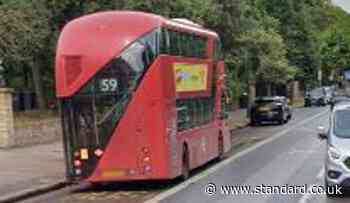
(301, 21)
(24, 30)
(335, 51)
(335, 45)
(233, 86)
(268, 54)
(269, 40)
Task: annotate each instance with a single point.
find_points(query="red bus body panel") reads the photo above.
(97, 39)
(149, 122)
(150, 119)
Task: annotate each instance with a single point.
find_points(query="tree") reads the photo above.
(262, 51)
(269, 53)
(335, 52)
(23, 31)
(281, 37)
(299, 26)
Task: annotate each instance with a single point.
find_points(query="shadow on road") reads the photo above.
(149, 186)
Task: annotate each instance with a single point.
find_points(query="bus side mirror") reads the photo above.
(322, 132)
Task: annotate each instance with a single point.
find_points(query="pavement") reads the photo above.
(25, 171)
(237, 119)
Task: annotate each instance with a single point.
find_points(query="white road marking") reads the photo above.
(308, 129)
(300, 151)
(305, 198)
(220, 165)
(321, 174)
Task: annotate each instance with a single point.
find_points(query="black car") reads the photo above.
(270, 109)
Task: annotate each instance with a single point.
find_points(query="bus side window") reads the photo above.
(218, 54)
(183, 116)
(173, 43)
(197, 48)
(202, 44)
(184, 51)
(188, 45)
(165, 42)
(183, 44)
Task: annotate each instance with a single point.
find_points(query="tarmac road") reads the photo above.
(267, 157)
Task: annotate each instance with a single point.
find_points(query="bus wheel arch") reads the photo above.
(185, 172)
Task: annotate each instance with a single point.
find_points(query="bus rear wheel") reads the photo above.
(185, 164)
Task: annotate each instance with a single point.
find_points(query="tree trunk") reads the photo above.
(251, 96)
(295, 91)
(269, 89)
(38, 86)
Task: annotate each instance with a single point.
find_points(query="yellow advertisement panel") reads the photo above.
(190, 77)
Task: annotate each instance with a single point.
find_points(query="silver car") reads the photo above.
(337, 167)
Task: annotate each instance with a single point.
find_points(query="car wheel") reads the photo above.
(286, 119)
(282, 120)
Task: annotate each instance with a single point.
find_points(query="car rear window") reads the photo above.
(317, 92)
(264, 101)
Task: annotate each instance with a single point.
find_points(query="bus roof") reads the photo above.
(115, 31)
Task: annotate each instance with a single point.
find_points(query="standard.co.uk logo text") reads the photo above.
(212, 189)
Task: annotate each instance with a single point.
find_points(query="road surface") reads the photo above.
(269, 156)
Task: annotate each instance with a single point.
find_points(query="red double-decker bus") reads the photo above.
(140, 97)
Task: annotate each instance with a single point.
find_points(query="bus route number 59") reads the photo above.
(108, 85)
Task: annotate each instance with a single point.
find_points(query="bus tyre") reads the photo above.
(185, 164)
(221, 148)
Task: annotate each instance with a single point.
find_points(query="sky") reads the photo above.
(345, 4)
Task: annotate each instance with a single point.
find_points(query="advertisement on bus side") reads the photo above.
(190, 77)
